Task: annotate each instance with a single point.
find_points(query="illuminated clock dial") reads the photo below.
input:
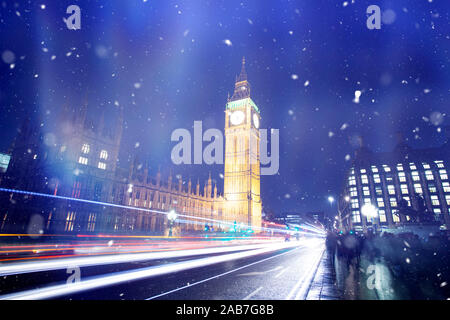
(237, 118)
(256, 120)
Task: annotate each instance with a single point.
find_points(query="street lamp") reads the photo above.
(331, 200)
(371, 212)
(172, 216)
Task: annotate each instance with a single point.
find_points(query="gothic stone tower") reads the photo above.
(242, 161)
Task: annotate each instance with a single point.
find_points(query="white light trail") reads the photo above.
(63, 263)
(121, 277)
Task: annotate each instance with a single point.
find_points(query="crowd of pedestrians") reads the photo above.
(417, 268)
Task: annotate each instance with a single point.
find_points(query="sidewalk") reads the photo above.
(324, 286)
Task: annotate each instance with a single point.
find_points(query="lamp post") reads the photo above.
(331, 201)
(171, 216)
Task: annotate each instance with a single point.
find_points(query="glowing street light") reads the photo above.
(330, 199)
(172, 216)
(369, 210)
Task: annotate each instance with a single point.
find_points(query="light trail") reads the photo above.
(121, 277)
(218, 222)
(63, 263)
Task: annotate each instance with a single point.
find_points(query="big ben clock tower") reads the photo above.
(242, 162)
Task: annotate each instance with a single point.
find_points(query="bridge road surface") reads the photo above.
(284, 274)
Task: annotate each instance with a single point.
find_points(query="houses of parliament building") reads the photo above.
(87, 192)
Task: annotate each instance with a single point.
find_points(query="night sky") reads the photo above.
(169, 63)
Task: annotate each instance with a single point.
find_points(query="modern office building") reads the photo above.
(405, 186)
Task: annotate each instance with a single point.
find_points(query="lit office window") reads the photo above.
(447, 199)
(363, 170)
(355, 203)
(102, 165)
(104, 154)
(386, 168)
(391, 189)
(412, 166)
(353, 192)
(382, 215)
(352, 171)
(376, 178)
(408, 200)
(399, 167)
(83, 160)
(426, 165)
(395, 217)
(85, 148)
(351, 181)
(374, 169)
(378, 191)
(356, 217)
(380, 202)
(393, 202)
(418, 188)
(439, 163)
(404, 188)
(401, 177)
(366, 191)
(367, 201)
(429, 175)
(443, 174)
(91, 222)
(415, 176)
(446, 186)
(437, 211)
(364, 179)
(432, 188)
(435, 200)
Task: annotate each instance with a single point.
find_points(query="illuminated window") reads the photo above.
(363, 170)
(447, 199)
(353, 192)
(356, 217)
(399, 167)
(367, 201)
(364, 179)
(393, 202)
(429, 175)
(70, 221)
(418, 188)
(426, 165)
(437, 211)
(434, 200)
(412, 166)
(446, 186)
(351, 181)
(102, 165)
(83, 160)
(366, 191)
(376, 178)
(386, 168)
(391, 189)
(439, 164)
(374, 169)
(408, 200)
(104, 154)
(380, 202)
(432, 188)
(395, 217)
(382, 215)
(355, 203)
(404, 188)
(378, 190)
(85, 148)
(401, 177)
(91, 222)
(415, 176)
(443, 174)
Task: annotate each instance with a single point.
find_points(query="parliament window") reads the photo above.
(85, 148)
(83, 160)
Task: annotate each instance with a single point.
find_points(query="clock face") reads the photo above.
(256, 120)
(237, 117)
